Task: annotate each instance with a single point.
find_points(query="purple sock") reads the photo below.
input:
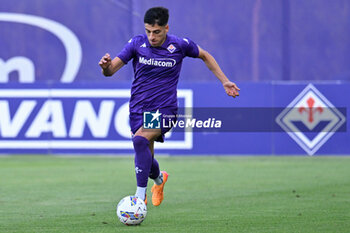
(154, 173)
(143, 160)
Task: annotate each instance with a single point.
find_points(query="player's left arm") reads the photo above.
(230, 87)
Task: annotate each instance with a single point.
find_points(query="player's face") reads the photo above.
(156, 34)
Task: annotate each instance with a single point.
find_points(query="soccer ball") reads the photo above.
(131, 210)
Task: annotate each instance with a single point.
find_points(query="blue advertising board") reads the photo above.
(310, 119)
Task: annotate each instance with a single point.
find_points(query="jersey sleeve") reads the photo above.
(190, 49)
(128, 52)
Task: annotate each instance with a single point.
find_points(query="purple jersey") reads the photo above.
(156, 70)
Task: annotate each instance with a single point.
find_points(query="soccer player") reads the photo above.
(157, 59)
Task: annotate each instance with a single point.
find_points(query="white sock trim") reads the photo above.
(141, 192)
(159, 179)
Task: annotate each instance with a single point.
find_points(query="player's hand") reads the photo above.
(105, 61)
(231, 89)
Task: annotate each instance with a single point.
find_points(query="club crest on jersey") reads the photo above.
(310, 119)
(171, 48)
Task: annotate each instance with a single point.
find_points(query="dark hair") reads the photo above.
(157, 15)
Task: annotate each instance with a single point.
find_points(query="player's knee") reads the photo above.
(140, 142)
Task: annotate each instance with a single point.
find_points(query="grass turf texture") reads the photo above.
(203, 194)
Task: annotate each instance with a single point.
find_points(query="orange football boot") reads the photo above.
(157, 190)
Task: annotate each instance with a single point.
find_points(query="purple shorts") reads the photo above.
(136, 121)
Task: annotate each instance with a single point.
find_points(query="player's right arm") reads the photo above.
(230, 87)
(109, 66)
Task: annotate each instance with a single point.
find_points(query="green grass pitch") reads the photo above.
(203, 194)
